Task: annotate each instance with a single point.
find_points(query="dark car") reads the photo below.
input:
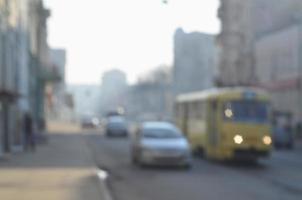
(116, 126)
(90, 122)
(283, 133)
(283, 137)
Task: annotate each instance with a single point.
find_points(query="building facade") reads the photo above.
(57, 107)
(278, 65)
(23, 68)
(234, 43)
(113, 88)
(194, 61)
(152, 97)
(8, 89)
(243, 23)
(260, 45)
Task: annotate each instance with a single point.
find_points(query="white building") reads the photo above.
(87, 99)
(114, 86)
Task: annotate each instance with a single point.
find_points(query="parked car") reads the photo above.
(283, 133)
(283, 137)
(116, 126)
(160, 143)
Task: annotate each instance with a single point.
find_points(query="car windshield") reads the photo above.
(161, 133)
(117, 124)
(246, 111)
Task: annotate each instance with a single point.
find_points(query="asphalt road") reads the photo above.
(277, 178)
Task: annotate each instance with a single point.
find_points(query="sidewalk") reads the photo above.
(63, 169)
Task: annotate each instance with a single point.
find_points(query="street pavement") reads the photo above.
(65, 169)
(277, 178)
(62, 169)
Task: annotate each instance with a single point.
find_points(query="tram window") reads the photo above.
(247, 111)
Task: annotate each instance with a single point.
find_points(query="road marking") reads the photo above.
(103, 178)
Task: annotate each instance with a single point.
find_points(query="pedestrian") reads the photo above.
(30, 143)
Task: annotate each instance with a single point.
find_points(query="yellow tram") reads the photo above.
(226, 123)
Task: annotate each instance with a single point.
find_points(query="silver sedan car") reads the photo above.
(160, 143)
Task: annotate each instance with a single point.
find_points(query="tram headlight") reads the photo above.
(238, 139)
(267, 140)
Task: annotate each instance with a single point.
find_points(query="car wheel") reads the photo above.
(187, 166)
(195, 152)
(139, 161)
(198, 152)
(134, 158)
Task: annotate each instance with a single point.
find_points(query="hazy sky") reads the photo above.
(132, 35)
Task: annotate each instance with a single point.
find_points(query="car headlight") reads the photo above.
(238, 139)
(267, 140)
